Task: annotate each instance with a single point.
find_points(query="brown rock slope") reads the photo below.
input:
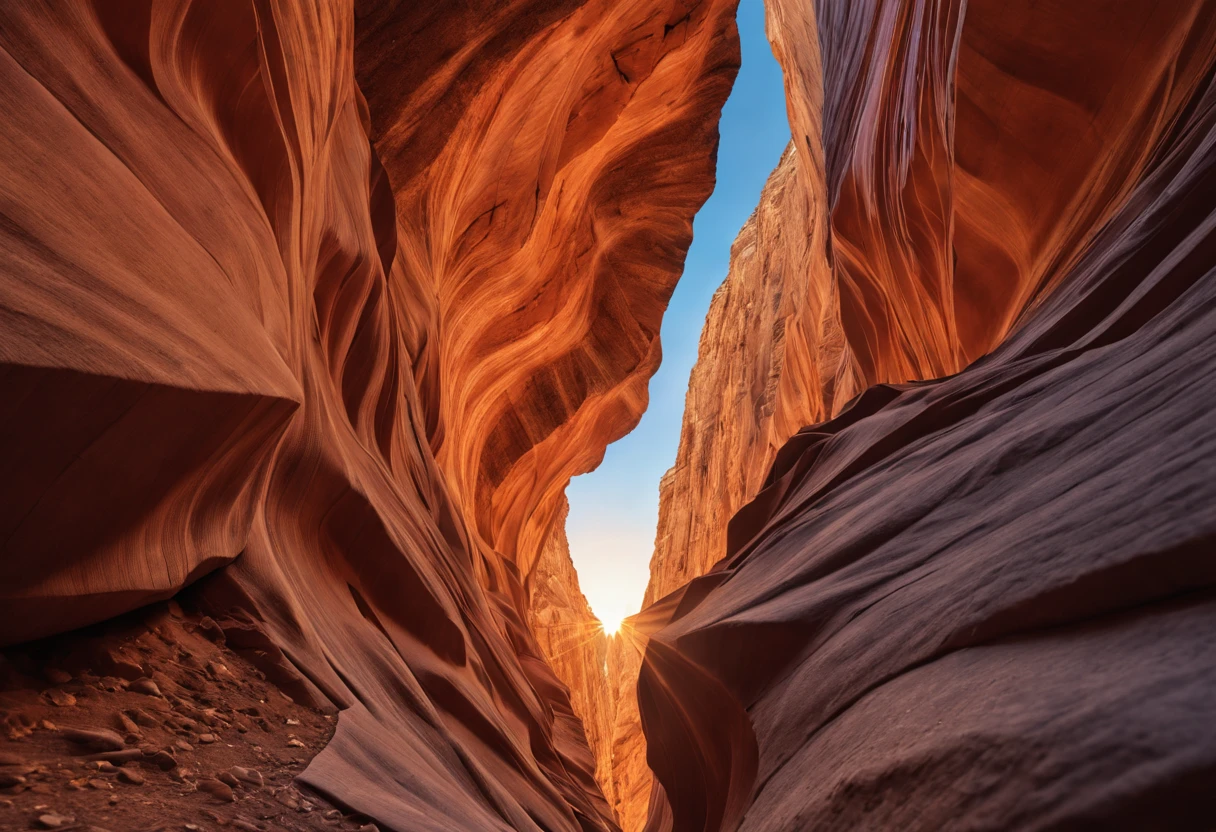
(235, 343)
(981, 601)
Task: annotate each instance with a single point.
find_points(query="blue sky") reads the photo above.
(614, 509)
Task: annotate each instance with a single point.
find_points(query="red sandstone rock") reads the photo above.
(981, 601)
(350, 295)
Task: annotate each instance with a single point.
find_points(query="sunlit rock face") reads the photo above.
(772, 328)
(547, 158)
(572, 640)
(980, 601)
(326, 303)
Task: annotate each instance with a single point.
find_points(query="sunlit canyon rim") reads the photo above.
(309, 313)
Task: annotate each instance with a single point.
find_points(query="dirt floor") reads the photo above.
(150, 722)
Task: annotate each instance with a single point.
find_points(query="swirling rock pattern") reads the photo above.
(326, 303)
(980, 601)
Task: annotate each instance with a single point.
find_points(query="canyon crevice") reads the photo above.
(315, 311)
(308, 315)
(946, 605)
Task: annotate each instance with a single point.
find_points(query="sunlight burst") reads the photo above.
(612, 623)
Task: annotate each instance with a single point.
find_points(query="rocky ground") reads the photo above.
(151, 723)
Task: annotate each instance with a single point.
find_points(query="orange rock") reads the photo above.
(350, 295)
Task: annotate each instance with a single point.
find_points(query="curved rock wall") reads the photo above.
(546, 177)
(979, 600)
(326, 305)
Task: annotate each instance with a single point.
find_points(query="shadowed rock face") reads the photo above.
(316, 310)
(980, 601)
(772, 327)
(326, 305)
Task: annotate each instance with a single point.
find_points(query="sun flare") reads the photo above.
(612, 623)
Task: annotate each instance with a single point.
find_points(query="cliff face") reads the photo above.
(767, 365)
(979, 600)
(316, 310)
(770, 346)
(574, 644)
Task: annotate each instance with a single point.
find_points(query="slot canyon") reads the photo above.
(310, 312)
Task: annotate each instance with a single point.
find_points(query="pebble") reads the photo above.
(248, 775)
(94, 740)
(291, 721)
(210, 629)
(145, 686)
(131, 777)
(106, 767)
(140, 717)
(119, 758)
(56, 676)
(125, 724)
(99, 784)
(228, 778)
(161, 759)
(220, 791)
(295, 744)
(52, 821)
(60, 699)
(47, 725)
(182, 745)
(206, 738)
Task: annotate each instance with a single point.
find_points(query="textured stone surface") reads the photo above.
(575, 646)
(544, 197)
(772, 326)
(983, 600)
(327, 304)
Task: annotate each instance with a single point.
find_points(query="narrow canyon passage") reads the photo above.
(309, 314)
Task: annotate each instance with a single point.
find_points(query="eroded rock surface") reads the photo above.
(573, 642)
(326, 304)
(981, 600)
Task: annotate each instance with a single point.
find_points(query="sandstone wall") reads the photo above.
(318, 308)
(1029, 181)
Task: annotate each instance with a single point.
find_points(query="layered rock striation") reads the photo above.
(315, 310)
(979, 600)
